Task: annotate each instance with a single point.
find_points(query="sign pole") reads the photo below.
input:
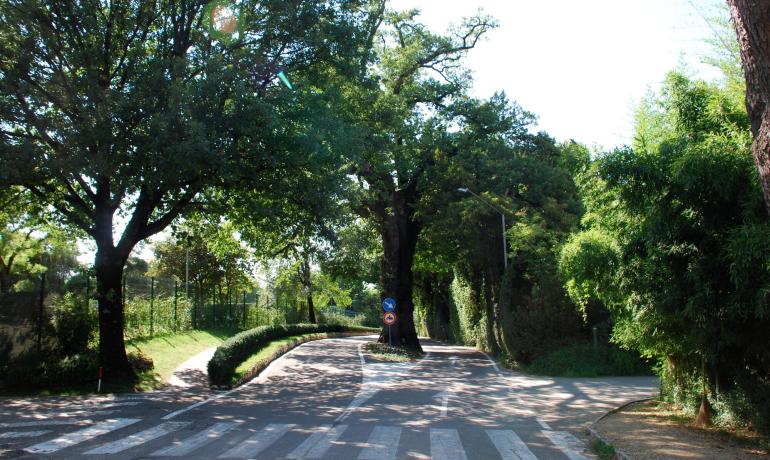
(390, 342)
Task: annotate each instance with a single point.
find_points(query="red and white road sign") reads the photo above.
(389, 318)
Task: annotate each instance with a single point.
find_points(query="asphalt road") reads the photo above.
(324, 400)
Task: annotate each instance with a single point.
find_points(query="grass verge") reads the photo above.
(170, 351)
(603, 450)
(387, 353)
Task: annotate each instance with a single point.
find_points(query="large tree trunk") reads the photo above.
(5, 275)
(752, 26)
(307, 281)
(310, 309)
(109, 266)
(399, 231)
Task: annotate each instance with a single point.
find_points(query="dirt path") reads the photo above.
(646, 431)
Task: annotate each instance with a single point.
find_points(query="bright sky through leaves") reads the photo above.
(580, 65)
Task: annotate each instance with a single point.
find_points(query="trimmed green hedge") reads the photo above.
(240, 347)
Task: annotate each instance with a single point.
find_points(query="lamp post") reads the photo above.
(502, 216)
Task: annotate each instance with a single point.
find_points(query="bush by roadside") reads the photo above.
(583, 360)
(240, 347)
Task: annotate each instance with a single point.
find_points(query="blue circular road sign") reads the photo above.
(389, 305)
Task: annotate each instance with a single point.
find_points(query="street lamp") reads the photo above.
(502, 215)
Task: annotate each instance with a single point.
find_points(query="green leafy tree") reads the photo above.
(668, 228)
(133, 109)
(415, 72)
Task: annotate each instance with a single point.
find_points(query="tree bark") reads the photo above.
(112, 348)
(704, 413)
(751, 19)
(399, 231)
(310, 309)
(5, 275)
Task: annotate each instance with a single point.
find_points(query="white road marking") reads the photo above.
(200, 439)
(138, 438)
(318, 443)
(445, 444)
(37, 423)
(510, 445)
(543, 424)
(23, 434)
(81, 413)
(382, 444)
(567, 443)
(494, 364)
(76, 437)
(109, 405)
(444, 396)
(377, 376)
(259, 442)
(361, 355)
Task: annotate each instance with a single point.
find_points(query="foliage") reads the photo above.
(585, 360)
(603, 450)
(536, 314)
(30, 370)
(137, 110)
(241, 346)
(74, 324)
(670, 232)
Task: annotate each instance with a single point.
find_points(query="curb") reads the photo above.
(619, 454)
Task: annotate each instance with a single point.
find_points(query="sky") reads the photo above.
(580, 65)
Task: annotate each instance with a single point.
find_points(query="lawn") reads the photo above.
(170, 351)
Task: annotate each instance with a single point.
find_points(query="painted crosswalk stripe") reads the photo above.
(316, 445)
(567, 443)
(510, 445)
(382, 443)
(38, 423)
(188, 445)
(445, 444)
(137, 439)
(23, 434)
(258, 442)
(76, 437)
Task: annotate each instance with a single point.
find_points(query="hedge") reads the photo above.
(240, 347)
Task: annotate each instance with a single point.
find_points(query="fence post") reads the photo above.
(152, 303)
(256, 309)
(244, 309)
(214, 307)
(176, 326)
(40, 314)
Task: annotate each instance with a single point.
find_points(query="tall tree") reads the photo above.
(133, 108)
(752, 26)
(416, 72)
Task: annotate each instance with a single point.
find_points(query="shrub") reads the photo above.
(583, 360)
(74, 324)
(6, 347)
(140, 362)
(240, 347)
(33, 370)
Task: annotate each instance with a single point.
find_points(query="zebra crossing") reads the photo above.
(225, 440)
